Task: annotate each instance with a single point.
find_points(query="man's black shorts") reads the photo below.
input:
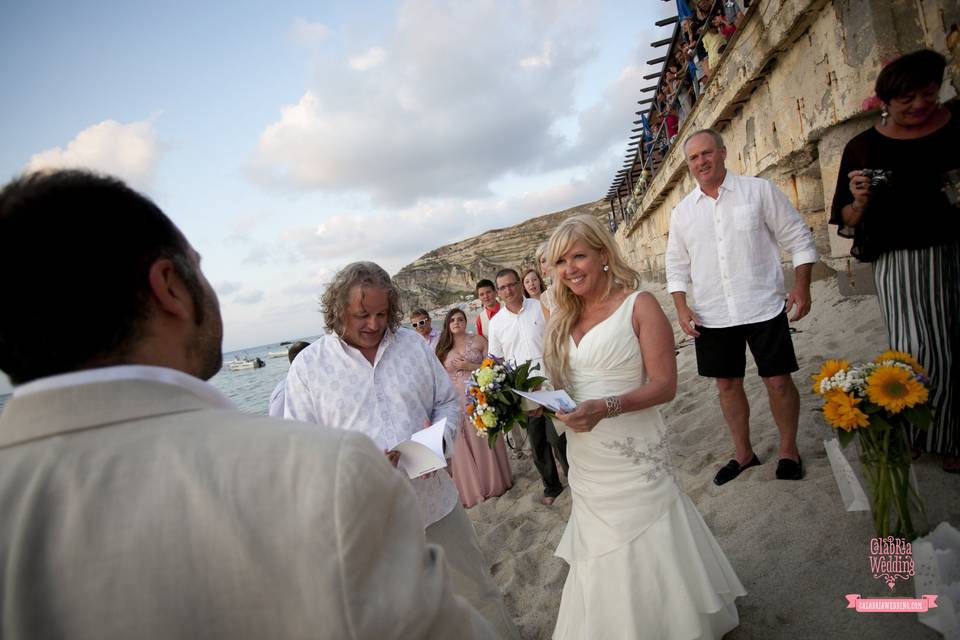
(721, 352)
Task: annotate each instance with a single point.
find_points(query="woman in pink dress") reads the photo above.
(478, 471)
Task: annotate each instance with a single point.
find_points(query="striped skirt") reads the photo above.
(919, 293)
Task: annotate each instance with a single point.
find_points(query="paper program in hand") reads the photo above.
(556, 401)
(423, 452)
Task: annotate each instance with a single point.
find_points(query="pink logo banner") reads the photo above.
(890, 605)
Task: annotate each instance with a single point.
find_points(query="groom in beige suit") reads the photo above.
(135, 502)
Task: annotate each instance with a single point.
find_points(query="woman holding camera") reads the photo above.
(896, 196)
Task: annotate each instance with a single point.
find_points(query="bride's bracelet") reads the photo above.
(613, 406)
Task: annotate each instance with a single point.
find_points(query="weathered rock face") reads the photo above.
(444, 275)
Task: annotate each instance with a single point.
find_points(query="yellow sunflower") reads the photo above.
(486, 363)
(894, 388)
(840, 410)
(900, 356)
(829, 368)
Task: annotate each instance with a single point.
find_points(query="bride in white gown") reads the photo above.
(643, 563)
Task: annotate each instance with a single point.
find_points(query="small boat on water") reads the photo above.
(276, 354)
(240, 364)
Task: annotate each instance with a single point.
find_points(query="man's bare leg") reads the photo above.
(736, 411)
(785, 407)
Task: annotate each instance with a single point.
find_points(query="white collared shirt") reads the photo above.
(728, 248)
(173, 377)
(518, 336)
(332, 384)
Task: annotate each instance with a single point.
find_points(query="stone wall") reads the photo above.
(787, 97)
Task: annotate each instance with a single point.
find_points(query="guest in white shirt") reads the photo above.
(369, 374)
(420, 322)
(137, 501)
(278, 395)
(725, 239)
(516, 333)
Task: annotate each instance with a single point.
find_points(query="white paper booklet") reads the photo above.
(423, 452)
(558, 400)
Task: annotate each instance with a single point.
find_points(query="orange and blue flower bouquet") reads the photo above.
(492, 405)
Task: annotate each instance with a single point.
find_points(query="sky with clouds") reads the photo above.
(288, 140)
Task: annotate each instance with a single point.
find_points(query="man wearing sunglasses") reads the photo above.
(420, 321)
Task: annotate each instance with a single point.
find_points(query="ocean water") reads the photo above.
(249, 389)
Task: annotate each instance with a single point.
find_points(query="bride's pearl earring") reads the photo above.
(606, 268)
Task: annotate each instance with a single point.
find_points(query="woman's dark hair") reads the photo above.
(445, 341)
(908, 73)
(76, 249)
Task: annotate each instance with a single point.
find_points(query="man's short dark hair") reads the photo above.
(909, 73)
(419, 312)
(485, 283)
(76, 250)
(296, 348)
(506, 272)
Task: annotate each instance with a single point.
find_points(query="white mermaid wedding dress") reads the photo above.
(643, 563)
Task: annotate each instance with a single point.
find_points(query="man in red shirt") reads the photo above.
(488, 298)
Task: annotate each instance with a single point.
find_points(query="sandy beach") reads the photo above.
(795, 548)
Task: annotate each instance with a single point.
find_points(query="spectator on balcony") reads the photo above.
(732, 11)
(725, 26)
(704, 8)
(714, 43)
(673, 123)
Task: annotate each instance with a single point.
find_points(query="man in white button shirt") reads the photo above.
(725, 239)
(137, 501)
(516, 333)
(369, 374)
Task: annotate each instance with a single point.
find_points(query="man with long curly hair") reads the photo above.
(369, 374)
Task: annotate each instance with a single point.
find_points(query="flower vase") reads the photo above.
(894, 495)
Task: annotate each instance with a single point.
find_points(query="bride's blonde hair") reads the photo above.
(569, 306)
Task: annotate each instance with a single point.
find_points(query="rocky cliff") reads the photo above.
(444, 275)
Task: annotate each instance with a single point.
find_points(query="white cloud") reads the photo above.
(396, 238)
(309, 34)
(127, 151)
(372, 58)
(224, 289)
(544, 59)
(447, 112)
(249, 297)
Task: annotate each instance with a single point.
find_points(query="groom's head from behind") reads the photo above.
(94, 275)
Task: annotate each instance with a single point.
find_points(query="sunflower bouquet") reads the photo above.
(876, 403)
(492, 405)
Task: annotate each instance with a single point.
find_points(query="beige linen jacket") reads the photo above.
(135, 510)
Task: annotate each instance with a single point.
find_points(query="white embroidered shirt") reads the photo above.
(332, 384)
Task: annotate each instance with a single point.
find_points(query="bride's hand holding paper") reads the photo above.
(584, 416)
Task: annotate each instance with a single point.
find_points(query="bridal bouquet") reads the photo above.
(492, 406)
(875, 402)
